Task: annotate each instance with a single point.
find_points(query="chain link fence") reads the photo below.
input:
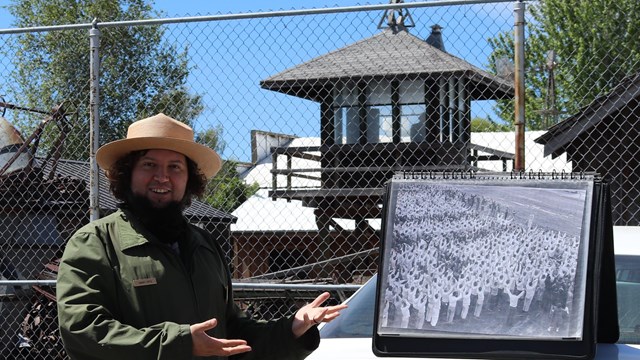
(312, 111)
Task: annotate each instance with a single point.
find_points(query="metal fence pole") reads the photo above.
(519, 84)
(94, 100)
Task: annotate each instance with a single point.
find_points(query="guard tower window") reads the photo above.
(346, 115)
(379, 111)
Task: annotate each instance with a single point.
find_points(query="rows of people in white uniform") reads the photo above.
(455, 254)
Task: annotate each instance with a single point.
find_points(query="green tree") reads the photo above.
(226, 191)
(141, 73)
(479, 124)
(212, 137)
(597, 43)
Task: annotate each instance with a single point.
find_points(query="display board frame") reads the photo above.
(446, 235)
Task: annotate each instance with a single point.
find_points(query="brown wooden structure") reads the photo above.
(392, 102)
(604, 137)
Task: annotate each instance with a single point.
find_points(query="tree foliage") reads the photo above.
(140, 72)
(226, 191)
(479, 124)
(597, 44)
(212, 138)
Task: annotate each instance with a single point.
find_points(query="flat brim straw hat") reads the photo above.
(160, 132)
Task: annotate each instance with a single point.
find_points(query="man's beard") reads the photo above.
(166, 223)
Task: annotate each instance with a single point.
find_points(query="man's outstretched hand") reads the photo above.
(313, 314)
(205, 345)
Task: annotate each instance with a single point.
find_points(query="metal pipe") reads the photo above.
(94, 105)
(27, 282)
(235, 285)
(16, 107)
(276, 286)
(256, 15)
(519, 121)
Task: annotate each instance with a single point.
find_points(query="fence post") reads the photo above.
(94, 100)
(519, 84)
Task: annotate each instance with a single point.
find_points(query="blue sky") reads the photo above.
(175, 8)
(236, 102)
(202, 7)
(255, 5)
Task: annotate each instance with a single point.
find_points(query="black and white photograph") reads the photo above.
(475, 258)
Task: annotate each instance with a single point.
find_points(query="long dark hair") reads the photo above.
(119, 176)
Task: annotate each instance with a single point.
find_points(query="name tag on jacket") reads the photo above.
(144, 282)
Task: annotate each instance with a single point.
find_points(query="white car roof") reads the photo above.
(626, 240)
(361, 349)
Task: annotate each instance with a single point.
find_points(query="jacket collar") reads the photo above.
(132, 233)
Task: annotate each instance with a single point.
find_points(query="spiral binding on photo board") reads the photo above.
(456, 174)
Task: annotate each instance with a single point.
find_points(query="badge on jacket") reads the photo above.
(144, 282)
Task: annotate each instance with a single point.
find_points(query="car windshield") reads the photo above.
(628, 289)
(357, 320)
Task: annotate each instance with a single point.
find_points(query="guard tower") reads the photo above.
(388, 103)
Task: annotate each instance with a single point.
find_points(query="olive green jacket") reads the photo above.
(124, 295)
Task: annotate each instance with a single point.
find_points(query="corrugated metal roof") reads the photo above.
(80, 169)
(261, 213)
(534, 153)
(384, 55)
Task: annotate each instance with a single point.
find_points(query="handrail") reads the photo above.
(236, 285)
(305, 152)
(369, 168)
